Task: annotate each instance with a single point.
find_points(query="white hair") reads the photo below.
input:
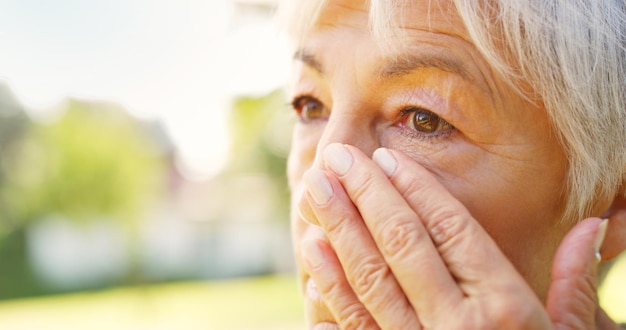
(572, 55)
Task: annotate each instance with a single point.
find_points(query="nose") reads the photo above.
(353, 128)
(349, 127)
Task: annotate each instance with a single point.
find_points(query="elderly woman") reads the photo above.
(456, 164)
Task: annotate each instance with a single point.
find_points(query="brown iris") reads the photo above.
(308, 108)
(427, 122)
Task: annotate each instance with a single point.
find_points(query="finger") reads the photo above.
(325, 271)
(470, 254)
(572, 300)
(318, 315)
(397, 231)
(365, 269)
(481, 270)
(305, 212)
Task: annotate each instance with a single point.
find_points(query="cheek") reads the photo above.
(519, 203)
(508, 196)
(512, 213)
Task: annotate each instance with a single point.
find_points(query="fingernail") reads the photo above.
(338, 158)
(600, 234)
(318, 186)
(386, 161)
(312, 254)
(305, 213)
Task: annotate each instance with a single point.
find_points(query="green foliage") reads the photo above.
(13, 124)
(17, 279)
(94, 161)
(261, 130)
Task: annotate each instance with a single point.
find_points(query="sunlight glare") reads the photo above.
(179, 62)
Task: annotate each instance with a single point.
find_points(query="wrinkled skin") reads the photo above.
(454, 223)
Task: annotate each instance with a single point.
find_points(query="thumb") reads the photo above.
(572, 298)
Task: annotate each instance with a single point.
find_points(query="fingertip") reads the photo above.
(572, 297)
(385, 159)
(318, 186)
(579, 250)
(305, 213)
(338, 158)
(599, 240)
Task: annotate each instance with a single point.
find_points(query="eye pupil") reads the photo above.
(426, 122)
(312, 110)
(309, 108)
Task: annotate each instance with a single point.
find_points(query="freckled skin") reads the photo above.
(502, 159)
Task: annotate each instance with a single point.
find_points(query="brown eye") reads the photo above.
(309, 108)
(426, 122)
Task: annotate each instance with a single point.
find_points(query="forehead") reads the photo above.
(411, 34)
(387, 20)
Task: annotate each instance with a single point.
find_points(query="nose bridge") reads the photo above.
(349, 127)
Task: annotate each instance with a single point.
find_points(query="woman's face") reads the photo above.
(432, 96)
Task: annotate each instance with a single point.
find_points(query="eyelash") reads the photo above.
(296, 105)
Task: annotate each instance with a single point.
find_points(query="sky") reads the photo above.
(178, 61)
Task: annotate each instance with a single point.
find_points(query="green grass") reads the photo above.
(257, 303)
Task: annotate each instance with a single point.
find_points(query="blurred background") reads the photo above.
(142, 159)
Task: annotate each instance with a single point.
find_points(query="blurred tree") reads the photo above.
(94, 161)
(13, 124)
(261, 129)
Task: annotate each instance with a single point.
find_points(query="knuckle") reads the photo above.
(584, 283)
(399, 237)
(512, 316)
(506, 313)
(511, 312)
(330, 289)
(361, 194)
(339, 225)
(350, 315)
(369, 273)
(581, 297)
(413, 185)
(446, 226)
(354, 317)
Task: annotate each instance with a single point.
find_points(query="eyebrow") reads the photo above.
(409, 63)
(309, 59)
(398, 66)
